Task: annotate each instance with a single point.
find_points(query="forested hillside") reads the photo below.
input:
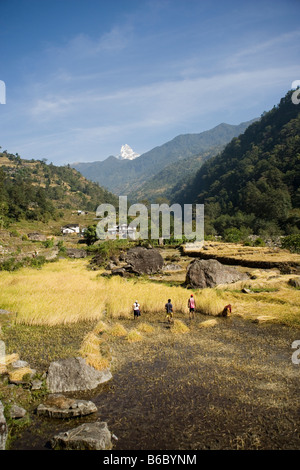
(165, 184)
(254, 183)
(34, 190)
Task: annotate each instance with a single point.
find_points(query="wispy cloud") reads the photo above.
(146, 79)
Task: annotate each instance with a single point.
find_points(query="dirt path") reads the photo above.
(232, 386)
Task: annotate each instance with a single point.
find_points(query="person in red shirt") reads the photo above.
(226, 311)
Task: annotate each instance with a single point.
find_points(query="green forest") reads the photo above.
(252, 186)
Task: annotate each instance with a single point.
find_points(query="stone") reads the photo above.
(99, 260)
(88, 436)
(17, 412)
(294, 282)
(37, 237)
(172, 267)
(59, 406)
(246, 291)
(210, 273)
(4, 312)
(74, 374)
(141, 260)
(36, 385)
(19, 364)
(111, 266)
(264, 319)
(51, 255)
(121, 272)
(3, 428)
(76, 253)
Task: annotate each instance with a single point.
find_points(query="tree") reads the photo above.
(90, 235)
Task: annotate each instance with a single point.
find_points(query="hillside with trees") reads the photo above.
(254, 183)
(34, 190)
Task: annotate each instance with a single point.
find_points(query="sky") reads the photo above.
(84, 77)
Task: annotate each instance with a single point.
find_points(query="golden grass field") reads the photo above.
(65, 292)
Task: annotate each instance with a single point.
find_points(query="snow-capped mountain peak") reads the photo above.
(127, 153)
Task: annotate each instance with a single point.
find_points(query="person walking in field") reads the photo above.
(169, 311)
(192, 306)
(136, 310)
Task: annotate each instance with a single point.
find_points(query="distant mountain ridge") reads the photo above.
(123, 177)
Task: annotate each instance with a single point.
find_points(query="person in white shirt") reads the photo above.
(136, 310)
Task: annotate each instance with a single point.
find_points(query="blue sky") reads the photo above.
(84, 77)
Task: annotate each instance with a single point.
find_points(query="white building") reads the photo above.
(70, 228)
(122, 231)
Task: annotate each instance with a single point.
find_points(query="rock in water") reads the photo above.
(58, 406)
(74, 374)
(88, 436)
(3, 428)
(210, 273)
(142, 260)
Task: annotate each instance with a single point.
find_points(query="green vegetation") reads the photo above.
(13, 264)
(292, 243)
(108, 248)
(32, 190)
(254, 183)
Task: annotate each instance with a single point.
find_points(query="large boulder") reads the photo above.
(210, 273)
(88, 436)
(141, 260)
(74, 374)
(3, 428)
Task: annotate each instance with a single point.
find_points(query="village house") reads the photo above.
(122, 231)
(70, 228)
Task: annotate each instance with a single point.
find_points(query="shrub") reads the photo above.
(259, 242)
(48, 243)
(14, 233)
(292, 243)
(232, 235)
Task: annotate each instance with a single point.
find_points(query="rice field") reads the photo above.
(66, 292)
